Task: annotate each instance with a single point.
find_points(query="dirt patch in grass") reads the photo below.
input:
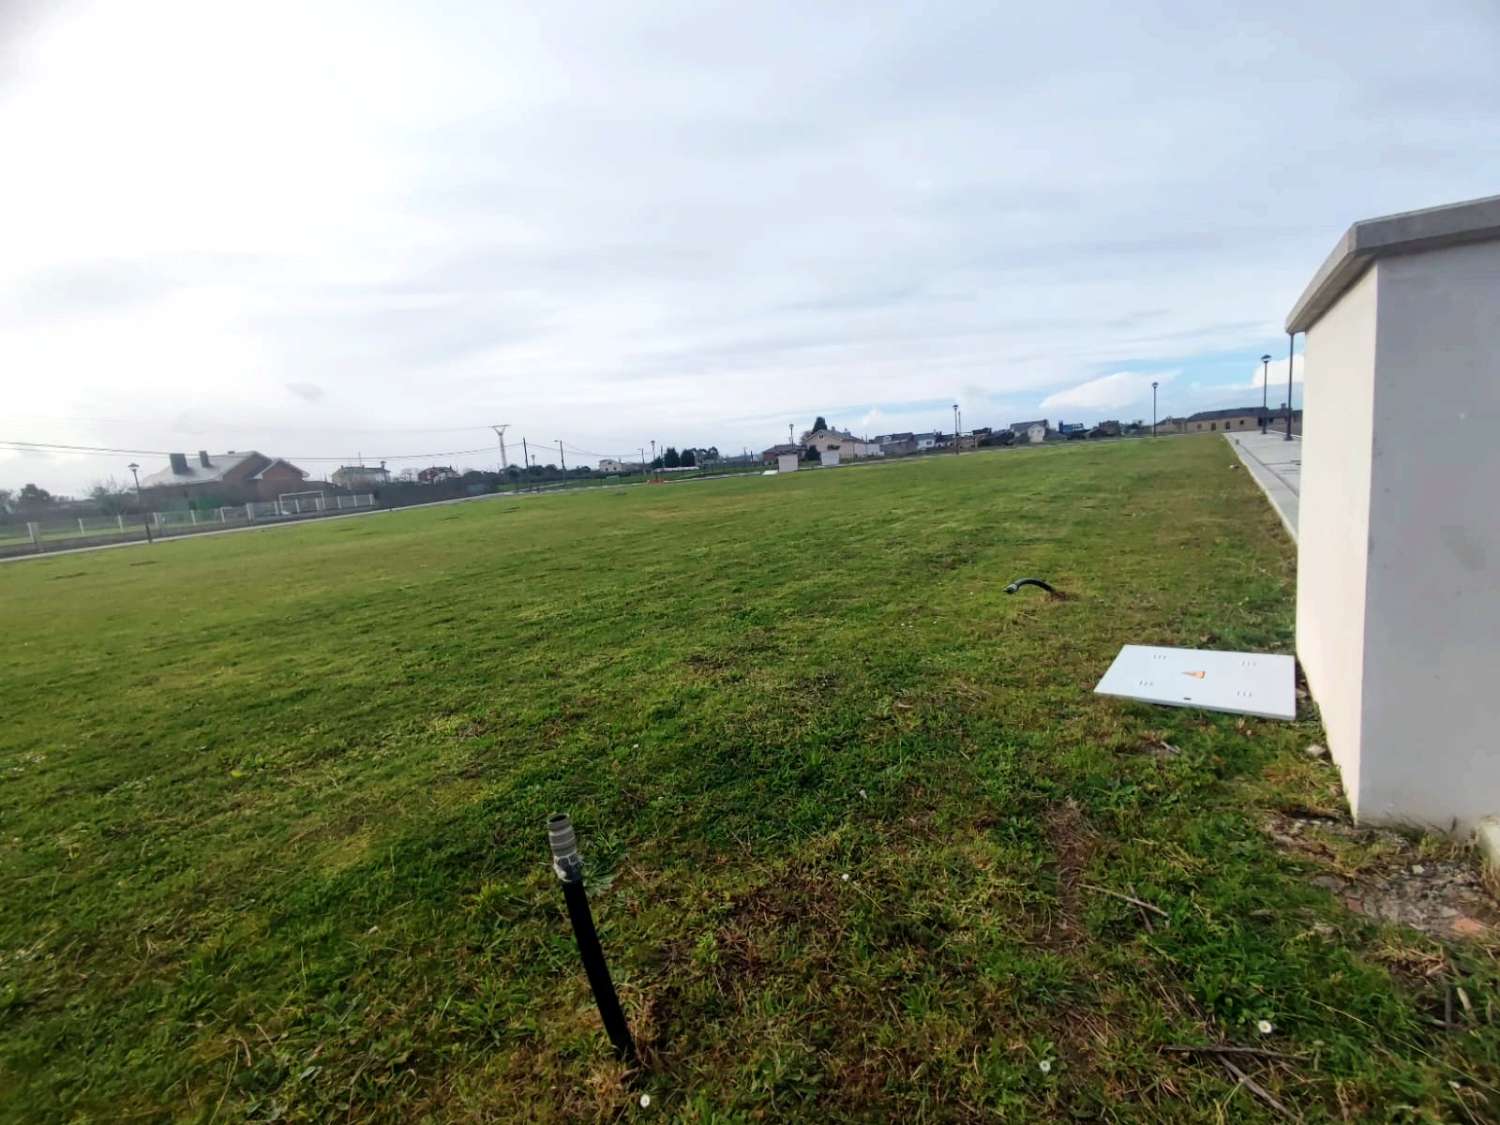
(1423, 883)
(1073, 846)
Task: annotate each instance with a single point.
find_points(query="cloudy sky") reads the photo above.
(325, 228)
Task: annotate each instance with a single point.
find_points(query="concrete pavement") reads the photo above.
(1276, 465)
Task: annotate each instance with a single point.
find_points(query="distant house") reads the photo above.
(437, 474)
(896, 445)
(614, 465)
(360, 477)
(842, 442)
(770, 456)
(1235, 419)
(1034, 432)
(225, 478)
(927, 441)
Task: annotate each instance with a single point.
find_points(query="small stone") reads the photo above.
(1315, 751)
(1328, 882)
(1418, 869)
(1464, 926)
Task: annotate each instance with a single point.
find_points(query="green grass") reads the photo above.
(272, 814)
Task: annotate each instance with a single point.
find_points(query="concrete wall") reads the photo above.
(1239, 422)
(1432, 633)
(1334, 518)
(1398, 600)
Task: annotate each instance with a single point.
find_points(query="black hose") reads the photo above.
(1019, 582)
(568, 865)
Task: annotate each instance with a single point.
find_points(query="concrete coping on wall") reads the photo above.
(1477, 220)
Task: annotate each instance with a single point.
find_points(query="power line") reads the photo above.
(201, 426)
(57, 447)
(54, 447)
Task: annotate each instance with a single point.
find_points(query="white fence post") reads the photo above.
(157, 517)
(80, 526)
(223, 518)
(193, 516)
(250, 511)
(120, 520)
(31, 530)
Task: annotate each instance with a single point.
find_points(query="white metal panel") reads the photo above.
(786, 462)
(1242, 683)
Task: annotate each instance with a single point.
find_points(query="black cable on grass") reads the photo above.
(568, 865)
(1019, 582)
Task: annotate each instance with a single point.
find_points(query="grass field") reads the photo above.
(272, 809)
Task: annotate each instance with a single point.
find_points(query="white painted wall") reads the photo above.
(786, 462)
(1398, 600)
(1334, 518)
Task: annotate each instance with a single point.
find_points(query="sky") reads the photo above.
(343, 230)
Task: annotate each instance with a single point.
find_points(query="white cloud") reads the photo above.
(1108, 392)
(1276, 371)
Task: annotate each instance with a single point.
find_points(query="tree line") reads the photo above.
(671, 458)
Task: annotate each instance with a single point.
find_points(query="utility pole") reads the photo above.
(789, 440)
(139, 503)
(500, 433)
(1291, 340)
(955, 429)
(526, 457)
(563, 461)
(1153, 408)
(1265, 382)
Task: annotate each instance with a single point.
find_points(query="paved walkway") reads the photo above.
(1276, 465)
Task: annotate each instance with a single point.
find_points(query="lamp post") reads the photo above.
(1153, 408)
(1290, 341)
(135, 471)
(955, 428)
(1265, 381)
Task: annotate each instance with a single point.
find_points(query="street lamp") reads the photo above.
(139, 503)
(1291, 339)
(1153, 408)
(955, 428)
(1265, 381)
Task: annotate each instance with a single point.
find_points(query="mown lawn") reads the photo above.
(272, 806)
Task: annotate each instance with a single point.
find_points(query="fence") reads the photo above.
(287, 507)
(79, 531)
